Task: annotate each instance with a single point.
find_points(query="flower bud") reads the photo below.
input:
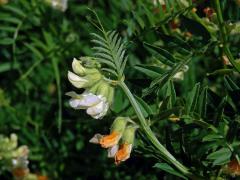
(77, 81)
(85, 81)
(174, 118)
(78, 68)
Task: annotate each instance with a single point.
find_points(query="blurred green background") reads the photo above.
(37, 45)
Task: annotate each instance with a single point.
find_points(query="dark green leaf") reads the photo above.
(220, 157)
(151, 71)
(144, 106)
(6, 41)
(169, 169)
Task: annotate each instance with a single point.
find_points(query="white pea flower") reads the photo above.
(77, 81)
(78, 68)
(99, 110)
(95, 105)
(82, 77)
(112, 151)
(98, 95)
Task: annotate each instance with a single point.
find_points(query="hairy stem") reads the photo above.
(150, 135)
(223, 34)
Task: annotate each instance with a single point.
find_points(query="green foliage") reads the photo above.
(190, 98)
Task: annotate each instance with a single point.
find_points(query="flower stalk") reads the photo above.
(147, 130)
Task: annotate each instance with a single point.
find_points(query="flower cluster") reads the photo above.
(98, 94)
(15, 159)
(120, 140)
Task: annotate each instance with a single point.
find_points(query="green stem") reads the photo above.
(147, 130)
(223, 34)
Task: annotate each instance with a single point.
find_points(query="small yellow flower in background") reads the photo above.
(209, 12)
(2, 2)
(40, 177)
(238, 2)
(226, 60)
(194, 10)
(174, 118)
(233, 168)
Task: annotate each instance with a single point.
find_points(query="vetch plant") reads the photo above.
(109, 60)
(110, 51)
(98, 94)
(162, 89)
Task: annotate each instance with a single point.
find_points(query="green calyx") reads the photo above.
(119, 124)
(104, 89)
(92, 79)
(129, 135)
